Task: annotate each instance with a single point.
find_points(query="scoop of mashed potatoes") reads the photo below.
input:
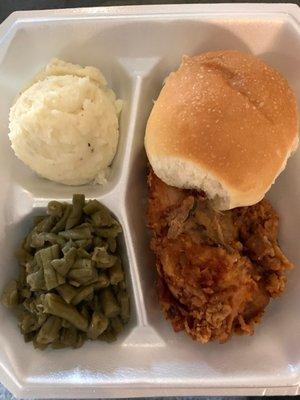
(64, 126)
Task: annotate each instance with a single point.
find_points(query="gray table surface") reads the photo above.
(8, 6)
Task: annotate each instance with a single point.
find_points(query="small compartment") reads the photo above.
(16, 350)
(19, 74)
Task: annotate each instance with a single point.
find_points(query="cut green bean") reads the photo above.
(111, 232)
(83, 294)
(110, 305)
(32, 266)
(108, 336)
(82, 276)
(102, 281)
(77, 209)
(112, 244)
(81, 337)
(38, 240)
(85, 312)
(69, 337)
(102, 218)
(54, 305)
(60, 279)
(29, 337)
(98, 325)
(36, 280)
(82, 253)
(49, 331)
(68, 246)
(63, 265)
(28, 323)
(102, 258)
(55, 209)
(98, 241)
(38, 345)
(123, 300)
(116, 273)
(67, 292)
(61, 224)
(25, 293)
(45, 257)
(81, 232)
(45, 225)
(84, 243)
(82, 263)
(95, 304)
(91, 207)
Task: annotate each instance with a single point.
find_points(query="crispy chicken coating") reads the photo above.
(217, 270)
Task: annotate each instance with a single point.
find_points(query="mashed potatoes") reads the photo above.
(65, 124)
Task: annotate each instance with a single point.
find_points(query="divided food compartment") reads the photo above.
(136, 48)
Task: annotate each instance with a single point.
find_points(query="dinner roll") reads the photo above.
(225, 123)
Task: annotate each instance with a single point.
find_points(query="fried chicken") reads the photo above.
(217, 270)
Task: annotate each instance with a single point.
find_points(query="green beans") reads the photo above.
(71, 284)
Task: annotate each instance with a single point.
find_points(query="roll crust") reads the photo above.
(228, 116)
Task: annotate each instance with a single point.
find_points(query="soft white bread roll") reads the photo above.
(225, 123)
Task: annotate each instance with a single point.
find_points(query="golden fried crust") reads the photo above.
(217, 272)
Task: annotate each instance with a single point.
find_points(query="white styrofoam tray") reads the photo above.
(136, 47)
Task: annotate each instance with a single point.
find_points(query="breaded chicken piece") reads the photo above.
(217, 271)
